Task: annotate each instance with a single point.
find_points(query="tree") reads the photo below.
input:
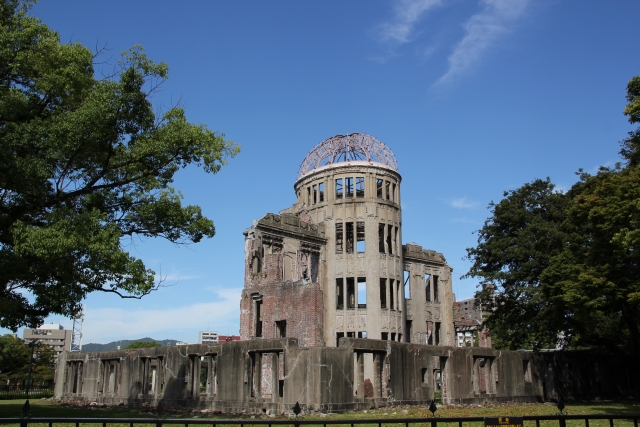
(86, 164)
(515, 246)
(598, 276)
(631, 146)
(566, 265)
(14, 361)
(142, 344)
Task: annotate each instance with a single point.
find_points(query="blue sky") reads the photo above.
(473, 97)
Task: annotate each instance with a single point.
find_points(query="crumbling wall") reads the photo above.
(283, 295)
(588, 375)
(273, 374)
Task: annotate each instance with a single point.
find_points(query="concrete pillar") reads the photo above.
(377, 375)
(359, 374)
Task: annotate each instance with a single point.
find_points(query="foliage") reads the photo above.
(563, 268)
(143, 344)
(631, 146)
(515, 246)
(597, 276)
(14, 360)
(86, 164)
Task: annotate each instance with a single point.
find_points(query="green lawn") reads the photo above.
(43, 408)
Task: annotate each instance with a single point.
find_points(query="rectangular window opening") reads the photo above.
(384, 336)
(321, 192)
(409, 330)
(407, 285)
(436, 294)
(437, 333)
(362, 292)
(381, 238)
(389, 239)
(362, 334)
(348, 183)
(359, 186)
(258, 312)
(338, 336)
(339, 237)
(339, 188)
(351, 293)
(204, 375)
(393, 336)
(379, 188)
(392, 298)
(281, 329)
(360, 237)
(351, 334)
(339, 293)
(429, 333)
(383, 293)
(395, 240)
(394, 197)
(387, 186)
(315, 194)
(427, 287)
(315, 265)
(349, 237)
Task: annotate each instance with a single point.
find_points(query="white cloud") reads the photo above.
(407, 14)
(482, 30)
(463, 203)
(110, 324)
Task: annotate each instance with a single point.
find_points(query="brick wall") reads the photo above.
(300, 305)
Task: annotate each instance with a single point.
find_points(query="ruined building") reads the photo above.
(333, 265)
(320, 277)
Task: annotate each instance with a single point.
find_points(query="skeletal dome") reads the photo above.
(348, 148)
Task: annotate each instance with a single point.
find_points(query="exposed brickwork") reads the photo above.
(301, 305)
(282, 280)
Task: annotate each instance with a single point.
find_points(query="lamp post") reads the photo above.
(33, 345)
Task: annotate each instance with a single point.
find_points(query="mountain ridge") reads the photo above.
(94, 347)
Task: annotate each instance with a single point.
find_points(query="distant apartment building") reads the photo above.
(207, 337)
(53, 335)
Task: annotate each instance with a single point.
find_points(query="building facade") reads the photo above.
(207, 337)
(53, 335)
(334, 264)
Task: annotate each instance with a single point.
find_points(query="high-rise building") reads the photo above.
(53, 335)
(207, 337)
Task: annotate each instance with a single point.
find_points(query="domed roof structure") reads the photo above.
(347, 148)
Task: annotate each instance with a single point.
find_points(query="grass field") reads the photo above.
(45, 408)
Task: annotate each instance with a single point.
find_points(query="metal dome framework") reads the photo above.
(347, 148)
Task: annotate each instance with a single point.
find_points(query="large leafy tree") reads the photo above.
(515, 246)
(567, 266)
(597, 276)
(85, 164)
(14, 360)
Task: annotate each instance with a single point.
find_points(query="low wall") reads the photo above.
(273, 374)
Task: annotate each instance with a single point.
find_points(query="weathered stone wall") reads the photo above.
(274, 374)
(588, 375)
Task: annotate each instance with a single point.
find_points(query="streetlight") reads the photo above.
(33, 345)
